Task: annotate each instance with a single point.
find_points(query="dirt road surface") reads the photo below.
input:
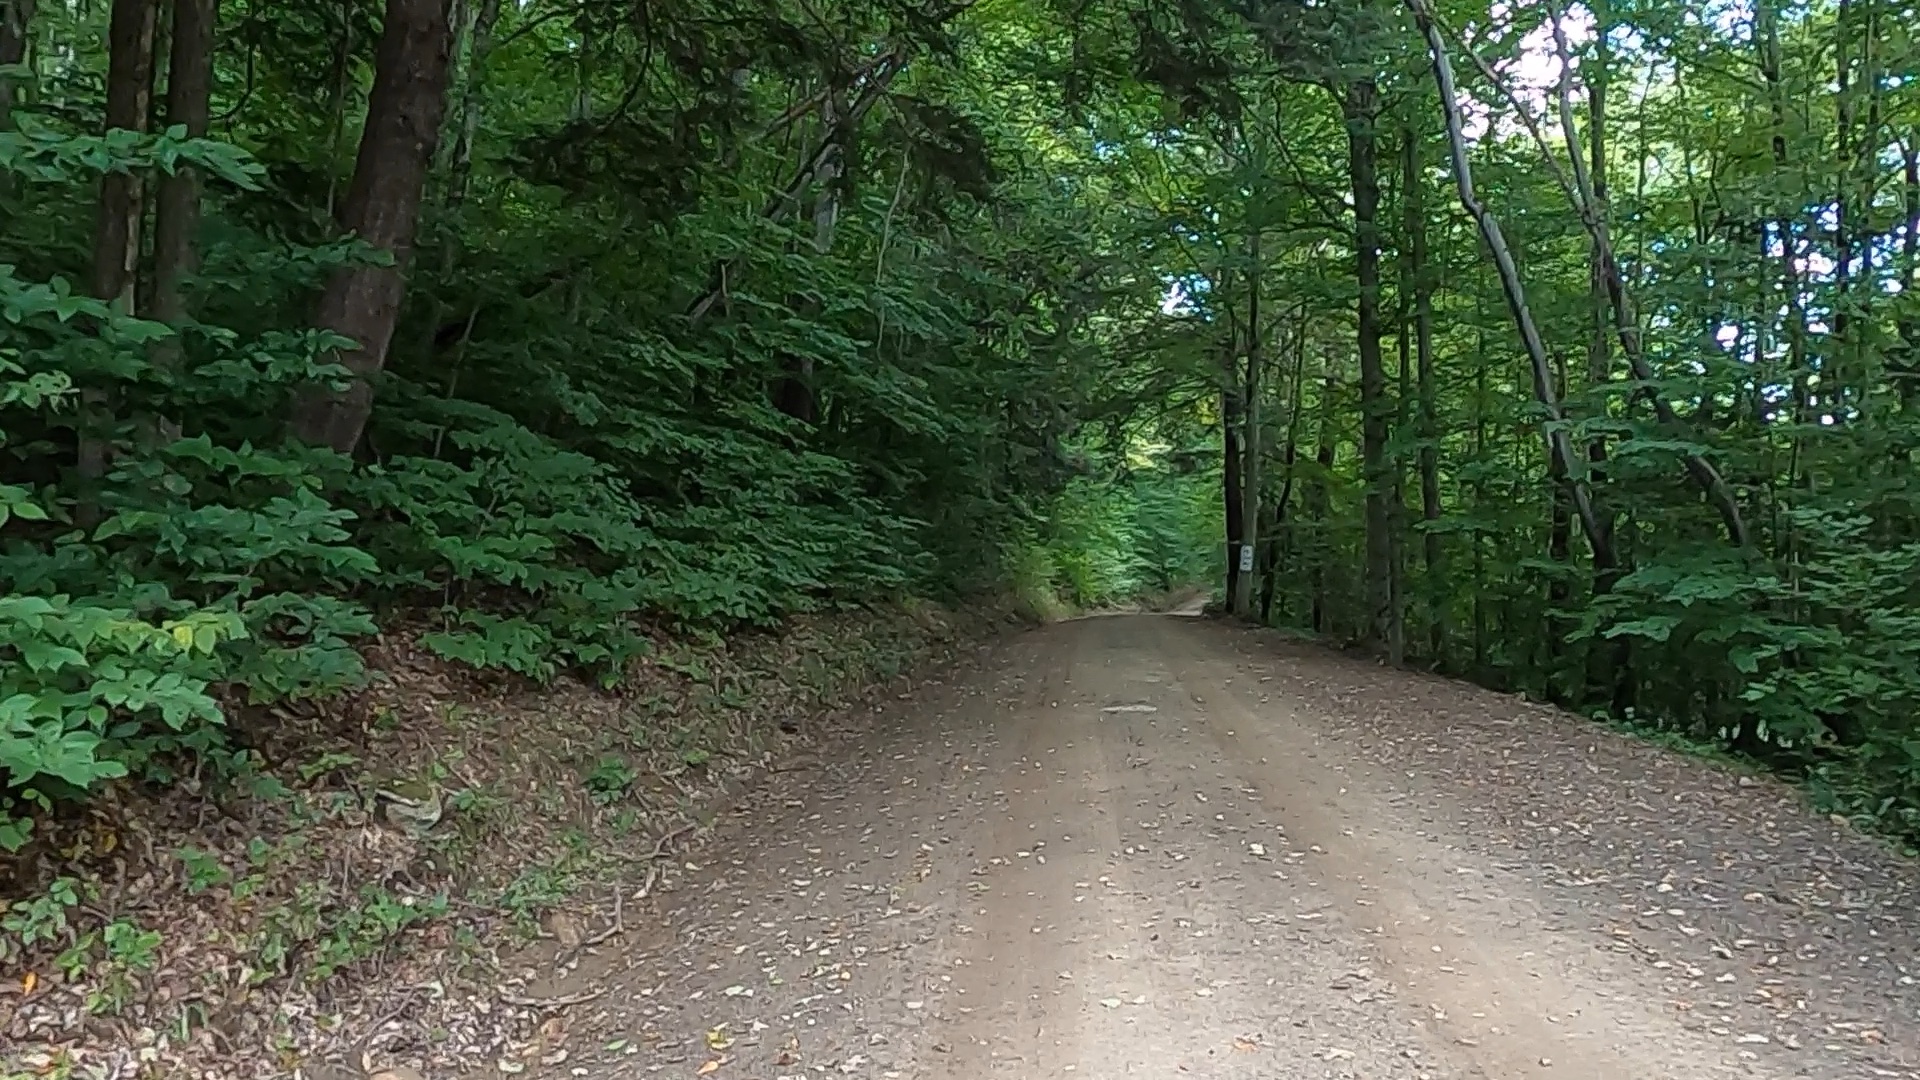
(1162, 847)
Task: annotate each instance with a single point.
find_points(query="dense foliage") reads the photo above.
(712, 314)
(1570, 348)
(1575, 349)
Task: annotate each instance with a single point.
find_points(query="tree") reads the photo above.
(382, 209)
(177, 205)
(16, 16)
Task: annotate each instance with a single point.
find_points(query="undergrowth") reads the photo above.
(423, 829)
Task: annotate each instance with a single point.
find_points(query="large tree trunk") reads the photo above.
(382, 208)
(1360, 107)
(16, 23)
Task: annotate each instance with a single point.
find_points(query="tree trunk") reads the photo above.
(1801, 368)
(1273, 546)
(1360, 107)
(116, 230)
(1433, 555)
(1479, 490)
(1559, 590)
(337, 104)
(1242, 595)
(1626, 320)
(1232, 420)
(1278, 538)
(382, 207)
(1320, 499)
(1403, 397)
(472, 102)
(176, 220)
(1836, 370)
(16, 26)
(116, 235)
(1559, 446)
(1605, 661)
(1908, 372)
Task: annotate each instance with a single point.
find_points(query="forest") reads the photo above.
(1573, 349)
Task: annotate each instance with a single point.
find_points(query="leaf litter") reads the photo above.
(503, 763)
(1624, 829)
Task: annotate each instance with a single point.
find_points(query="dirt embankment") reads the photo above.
(368, 895)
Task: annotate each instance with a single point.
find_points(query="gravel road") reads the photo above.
(1154, 846)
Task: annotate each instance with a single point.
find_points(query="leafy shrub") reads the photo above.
(192, 563)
